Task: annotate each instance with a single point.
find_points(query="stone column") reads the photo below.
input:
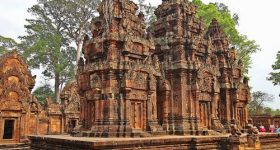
(254, 141)
(171, 107)
(228, 107)
(246, 114)
(237, 142)
(166, 109)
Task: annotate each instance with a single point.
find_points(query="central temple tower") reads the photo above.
(118, 79)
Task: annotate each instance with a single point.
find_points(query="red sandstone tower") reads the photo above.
(118, 80)
(234, 89)
(190, 68)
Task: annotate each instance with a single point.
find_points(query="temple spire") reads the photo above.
(217, 36)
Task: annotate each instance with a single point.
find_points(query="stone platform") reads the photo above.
(220, 142)
(66, 142)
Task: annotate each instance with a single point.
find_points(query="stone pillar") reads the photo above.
(171, 106)
(237, 142)
(166, 110)
(153, 125)
(197, 111)
(62, 122)
(246, 115)
(254, 141)
(228, 110)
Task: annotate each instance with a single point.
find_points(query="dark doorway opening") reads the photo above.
(8, 129)
(73, 124)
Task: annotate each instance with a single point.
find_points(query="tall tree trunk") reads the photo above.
(79, 47)
(56, 87)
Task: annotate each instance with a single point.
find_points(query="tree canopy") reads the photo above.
(148, 10)
(43, 92)
(275, 76)
(50, 37)
(6, 44)
(257, 105)
(45, 47)
(229, 22)
(72, 17)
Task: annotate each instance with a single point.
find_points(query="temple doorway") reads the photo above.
(8, 132)
(160, 112)
(240, 116)
(136, 115)
(204, 114)
(71, 124)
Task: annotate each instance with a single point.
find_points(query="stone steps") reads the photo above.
(15, 146)
(271, 147)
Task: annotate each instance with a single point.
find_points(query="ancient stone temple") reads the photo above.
(19, 111)
(176, 78)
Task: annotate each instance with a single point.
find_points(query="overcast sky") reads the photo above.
(259, 20)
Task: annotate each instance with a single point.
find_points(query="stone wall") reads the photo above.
(270, 141)
(265, 120)
(20, 112)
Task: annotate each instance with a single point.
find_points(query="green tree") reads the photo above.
(45, 47)
(6, 44)
(275, 76)
(148, 10)
(229, 22)
(268, 110)
(43, 92)
(276, 112)
(72, 17)
(257, 106)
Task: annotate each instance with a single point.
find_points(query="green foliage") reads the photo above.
(257, 106)
(43, 92)
(148, 10)
(6, 44)
(72, 17)
(45, 46)
(220, 11)
(275, 76)
(275, 112)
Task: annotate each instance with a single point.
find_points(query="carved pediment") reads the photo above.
(72, 98)
(95, 81)
(140, 80)
(11, 105)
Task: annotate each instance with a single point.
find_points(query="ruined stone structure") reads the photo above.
(55, 117)
(64, 117)
(19, 111)
(71, 106)
(175, 79)
(265, 120)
